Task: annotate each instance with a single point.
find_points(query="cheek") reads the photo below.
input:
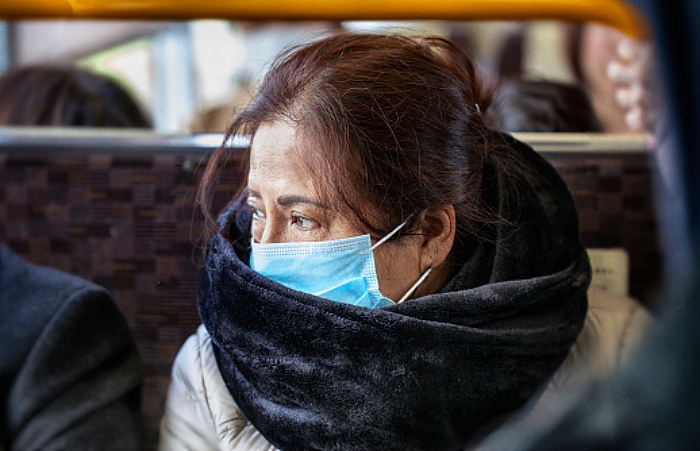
(397, 269)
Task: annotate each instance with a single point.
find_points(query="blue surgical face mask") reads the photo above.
(340, 270)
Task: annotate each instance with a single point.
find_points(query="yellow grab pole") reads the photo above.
(615, 13)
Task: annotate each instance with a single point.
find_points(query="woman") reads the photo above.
(395, 274)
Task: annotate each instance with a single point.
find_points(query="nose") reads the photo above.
(265, 237)
(272, 233)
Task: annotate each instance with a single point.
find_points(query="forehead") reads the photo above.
(276, 149)
(276, 140)
(277, 158)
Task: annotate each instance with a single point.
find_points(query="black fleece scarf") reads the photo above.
(314, 374)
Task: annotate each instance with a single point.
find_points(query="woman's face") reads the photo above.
(287, 208)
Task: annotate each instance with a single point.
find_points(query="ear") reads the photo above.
(438, 226)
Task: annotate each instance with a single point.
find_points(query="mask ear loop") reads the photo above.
(386, 237)
(382, 241)
(415, 285)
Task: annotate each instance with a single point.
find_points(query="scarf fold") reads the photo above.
(427, 374)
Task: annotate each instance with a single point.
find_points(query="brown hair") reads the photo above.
(66, 96)
(393, 126)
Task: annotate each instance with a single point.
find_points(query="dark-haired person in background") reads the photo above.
(66, 96)
(525, 105)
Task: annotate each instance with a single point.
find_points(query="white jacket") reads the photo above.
(200, 414)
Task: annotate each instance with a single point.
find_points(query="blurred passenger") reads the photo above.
(619, 74)
(394, 276)
(66, 96)
(70, 373)
(520, 105)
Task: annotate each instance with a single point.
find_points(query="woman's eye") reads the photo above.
(257, 213)
(303, 223)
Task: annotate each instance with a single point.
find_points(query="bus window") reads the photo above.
(189, 75)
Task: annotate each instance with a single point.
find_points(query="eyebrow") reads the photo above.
(286, 201)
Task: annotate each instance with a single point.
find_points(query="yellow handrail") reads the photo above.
(615, 13)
